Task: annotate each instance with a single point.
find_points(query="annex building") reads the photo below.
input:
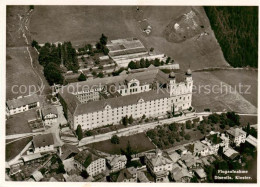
(99, 102)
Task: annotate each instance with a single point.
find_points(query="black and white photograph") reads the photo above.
(130, 93)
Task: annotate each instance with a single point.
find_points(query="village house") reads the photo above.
(126, 175)
(180, 174)
(160, 165)
(236, 136)
(50, 115)
(43, 143)
(22, 104)
(91, 162)
(201, 175)
(252, 141)
(67, 151)
(116, 162)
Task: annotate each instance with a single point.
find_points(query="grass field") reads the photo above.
(138, 142)
(244, 120)
(13, 149)
(19, 72)
(218, 99)
(86, 23)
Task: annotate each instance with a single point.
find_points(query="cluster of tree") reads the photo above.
(145, 63)
(127, 120)
(116, 73)
(52, 56)
(60, 168)
(115, 139)
(101, 45)
(250, 131)
(236, 29)
(230, 119)
(167, 135)
(87, 49)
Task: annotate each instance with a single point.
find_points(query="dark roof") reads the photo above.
(120, 101)
(15, 103)
(124, 174)
(86, 157)
(43, 140)
(49, 110)
(67, 150)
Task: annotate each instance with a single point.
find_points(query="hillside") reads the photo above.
(236, 29)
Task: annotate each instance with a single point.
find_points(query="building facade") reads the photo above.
(236, 136)
(22, 104)
(50, 115)
(92, 163)
(151, 93)
(117, 162)
(43, 143)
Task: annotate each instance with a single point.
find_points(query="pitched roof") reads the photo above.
(43, 140)
(126, 173)
(37, 175)
(15, 103)
(174, 156)
(30, 157)
(236, 132)
(86, 157)
(179, 172)
(112, 160)
(157, 159)
(252, 140)
(49, 110)
(231, 153)
(120, 101)
(67, 150)
(201, 173)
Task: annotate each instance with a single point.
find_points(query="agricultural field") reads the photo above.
(139, 143)
(218, 99)
(85, 24)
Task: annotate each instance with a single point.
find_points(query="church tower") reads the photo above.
(189, 80)
(172, 83)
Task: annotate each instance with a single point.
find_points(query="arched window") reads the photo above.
(133, 84)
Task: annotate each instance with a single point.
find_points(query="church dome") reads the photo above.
(188, 72)
(172, 75)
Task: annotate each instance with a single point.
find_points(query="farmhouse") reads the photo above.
(22, 104)
(43, 143)
(123, 51)
(151, 93)
(50, 115)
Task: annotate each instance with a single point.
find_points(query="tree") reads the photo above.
(115, 139)
(35, 44)
(79, 132)
(187, 137)
(132, 65)
(60, 169)
(125, 120)
(157, 62)
(103, 39)
(128, 152)
(151, 49)
(174, 127)
(82, 77)
(31, 7)
(53, 74)
(88, 133)
(94, 73)
(100, 75)
(131, 120)
(188, 124)
(84, 174)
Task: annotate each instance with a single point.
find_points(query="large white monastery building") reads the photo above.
(99, 102)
